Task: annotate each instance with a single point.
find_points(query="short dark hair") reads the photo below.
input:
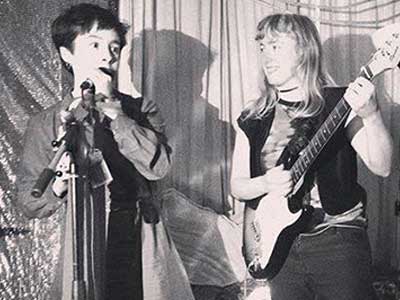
(79, 19)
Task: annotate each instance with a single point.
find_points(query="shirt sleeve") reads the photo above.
(140, 137)
(37, 154)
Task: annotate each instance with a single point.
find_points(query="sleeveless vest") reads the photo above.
(335, 168)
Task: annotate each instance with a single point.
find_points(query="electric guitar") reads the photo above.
(270, 229)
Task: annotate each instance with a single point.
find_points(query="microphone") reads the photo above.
(88, 85)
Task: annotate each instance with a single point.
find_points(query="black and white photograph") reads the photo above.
(199, 150)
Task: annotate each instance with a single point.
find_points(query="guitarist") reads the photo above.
(332, 259)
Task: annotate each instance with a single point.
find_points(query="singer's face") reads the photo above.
(279, 58)
(93, 52)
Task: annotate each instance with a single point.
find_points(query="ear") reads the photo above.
(66, 55)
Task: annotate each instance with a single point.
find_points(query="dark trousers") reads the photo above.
(332, 265)
(124, 256)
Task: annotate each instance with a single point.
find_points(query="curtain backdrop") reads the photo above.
(198, 60)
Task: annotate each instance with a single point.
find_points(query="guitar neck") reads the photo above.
(342, 109)
(320, 139)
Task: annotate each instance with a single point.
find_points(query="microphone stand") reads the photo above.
(78, 146)
(78, 281)
(78, 194)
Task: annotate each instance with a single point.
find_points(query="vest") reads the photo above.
(335, 169)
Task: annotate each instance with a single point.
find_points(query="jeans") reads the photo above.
(332, 265)
(124, 256)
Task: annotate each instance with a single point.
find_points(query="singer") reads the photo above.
(119, 139)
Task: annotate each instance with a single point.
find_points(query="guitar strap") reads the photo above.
(304, 129)
(257, 131)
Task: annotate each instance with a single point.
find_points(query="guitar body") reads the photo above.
(268, 234)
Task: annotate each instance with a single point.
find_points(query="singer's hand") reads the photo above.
(111, 109)
(102, 81)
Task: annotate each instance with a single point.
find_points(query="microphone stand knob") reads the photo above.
(55, 143)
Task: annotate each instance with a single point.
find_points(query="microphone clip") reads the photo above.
(88, 92)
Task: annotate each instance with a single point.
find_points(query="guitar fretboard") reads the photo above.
(308, 155)
(319, 140)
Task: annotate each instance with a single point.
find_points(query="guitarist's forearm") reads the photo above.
(379, 145)
(372, 142)
(374, 145)
(245, 189)
(276, 181)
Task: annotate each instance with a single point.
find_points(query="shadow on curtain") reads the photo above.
(168, 67)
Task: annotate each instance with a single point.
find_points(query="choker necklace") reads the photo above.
(288, 90)
(292, 104)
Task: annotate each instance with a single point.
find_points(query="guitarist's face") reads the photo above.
(280, 59)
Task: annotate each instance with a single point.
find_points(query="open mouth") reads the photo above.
(107, 71)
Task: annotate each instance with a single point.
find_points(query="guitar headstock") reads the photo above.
(387, 56)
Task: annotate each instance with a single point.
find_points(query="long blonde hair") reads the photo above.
(310, 69)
